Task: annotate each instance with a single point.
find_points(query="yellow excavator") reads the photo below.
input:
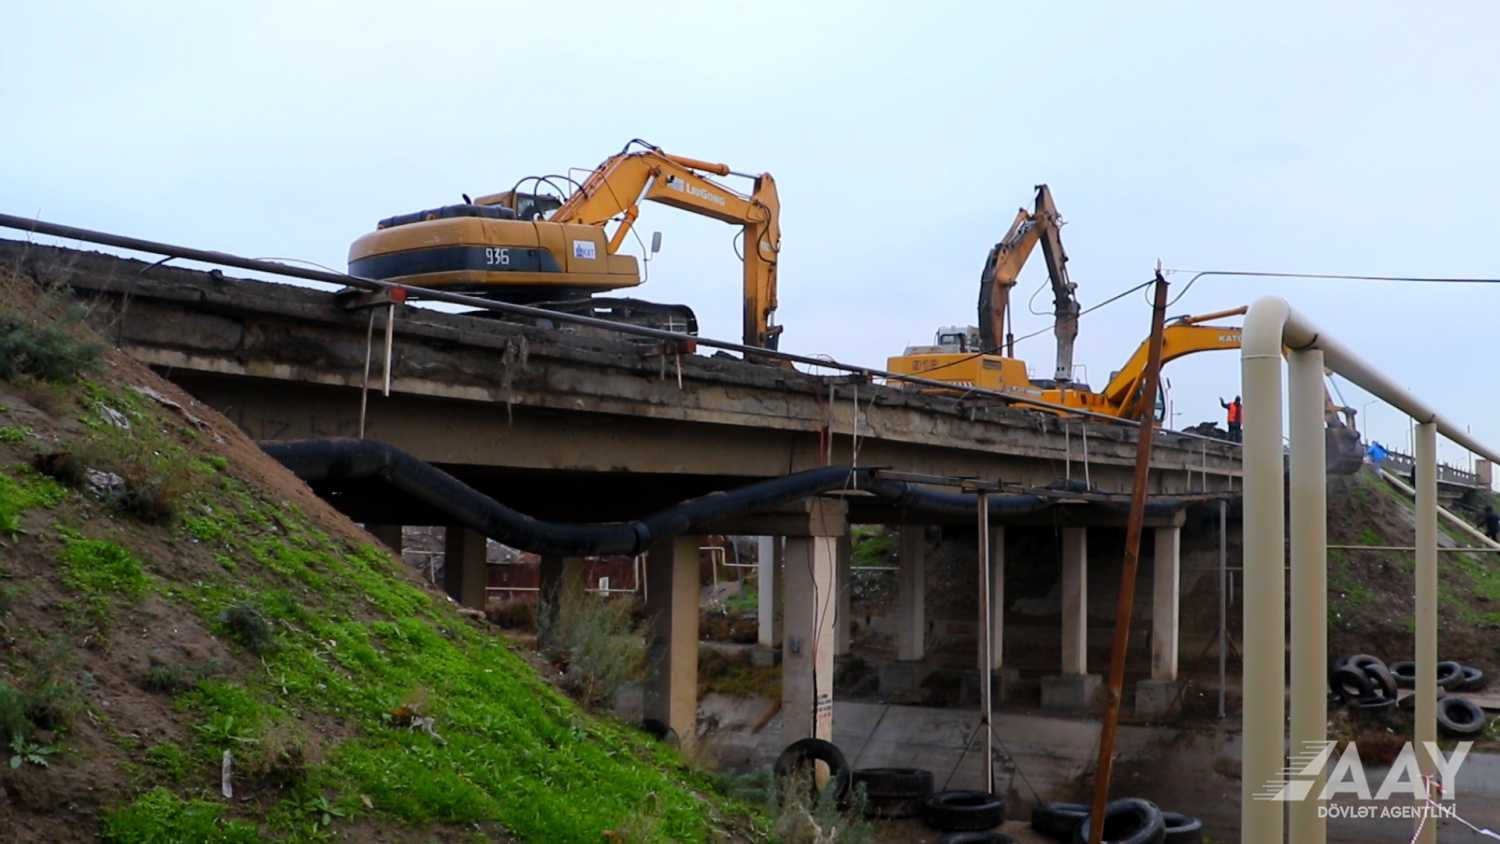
(554, 251)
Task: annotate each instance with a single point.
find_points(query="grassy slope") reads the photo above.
(259, 622)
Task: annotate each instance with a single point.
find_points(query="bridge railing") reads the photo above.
(1271, 326)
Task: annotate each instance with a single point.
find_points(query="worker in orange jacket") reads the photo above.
(1236, 413)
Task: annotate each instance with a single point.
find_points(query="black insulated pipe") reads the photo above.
(340, 459)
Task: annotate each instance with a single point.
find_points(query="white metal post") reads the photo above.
(1264, 680)
(1309, 540)
(1425, 727)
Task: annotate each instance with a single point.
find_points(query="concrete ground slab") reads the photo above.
(1154, 698)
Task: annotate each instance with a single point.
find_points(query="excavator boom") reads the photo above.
(1002, 267)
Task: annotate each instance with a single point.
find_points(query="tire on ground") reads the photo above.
(964, 811)
(1449, 673)
(1405, 673)
(1058, 821)
(1380, 678)
(1128, 821)
(1352, 683)
(1460, 716)
(804, 752)
(977, 838)
(1182, 829)
(1472, 679)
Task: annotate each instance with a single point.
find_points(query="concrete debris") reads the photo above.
(226, 768)
(171, 405)
(104, 484)
(114, 417)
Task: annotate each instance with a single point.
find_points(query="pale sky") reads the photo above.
(1348, 137)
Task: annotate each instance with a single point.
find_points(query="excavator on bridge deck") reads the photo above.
(553, 251)
(966, 356)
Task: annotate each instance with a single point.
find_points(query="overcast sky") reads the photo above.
(1355, 137)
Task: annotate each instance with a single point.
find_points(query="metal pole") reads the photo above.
(1425, 727)
(1223, 610)
(1126, 600)
(390, 339)
(1263, 600)
(1309, 541)
(364, 387)
(985, 677)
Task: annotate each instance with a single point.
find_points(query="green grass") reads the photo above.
(161, 816)
(102, 570)
(169, 760)
(357, 641)
(14, 433)
(24, 491)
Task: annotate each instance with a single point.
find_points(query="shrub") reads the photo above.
(596, 638)
(46, 352)
(244, 624)
(13, 721)
(175, 678)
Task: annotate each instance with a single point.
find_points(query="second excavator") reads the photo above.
(552, 250)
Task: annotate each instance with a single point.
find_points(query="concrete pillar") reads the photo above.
(387, 535)
(671, 690)
(997, 595)
(465, 573)
(1165, 603)
(842, 616)
(766, 590)
(1075, 600)
(1074, 689)
(810, 589)
(552, 571)
(1486, 472)
(912, 595)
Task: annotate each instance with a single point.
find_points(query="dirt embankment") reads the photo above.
(181, 620)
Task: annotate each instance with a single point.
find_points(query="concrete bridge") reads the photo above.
(580, 427)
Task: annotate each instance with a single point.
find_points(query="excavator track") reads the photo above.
(677, 318)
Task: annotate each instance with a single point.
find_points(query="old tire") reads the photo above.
(1449, 673)
(1460, 716)
(804, 752)
(1182, 829)
(1128, 821)
(964, 811)
(1351, 683)
(894, 792)
(1380, 679)
(1409, 703)
(976, 838)
(1405, 673)
(659, 730)
(1058, 821)
(1472, 679)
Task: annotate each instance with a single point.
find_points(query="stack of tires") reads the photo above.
(1456, 716)
(1362, 681)
(1451, 676)
(1128, 821)
(969, 817)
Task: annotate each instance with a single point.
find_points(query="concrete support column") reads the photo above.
(811, 595)
(1075, 600)
(387, 535)
(1486, 473)
(671, 691)
(1074, 689)
(1166, 583)
(465, 573)
(997, 596)
(842, 616)
(552, 571)
(765, 575)
(912, 595)
(1308, 486)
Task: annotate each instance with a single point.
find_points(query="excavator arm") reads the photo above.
(1002, 267)
(616, 188)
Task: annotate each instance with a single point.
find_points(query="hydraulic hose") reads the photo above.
(334, 460)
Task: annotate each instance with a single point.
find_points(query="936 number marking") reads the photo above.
(496, 256)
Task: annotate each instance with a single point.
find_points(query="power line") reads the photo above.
(1406, 279)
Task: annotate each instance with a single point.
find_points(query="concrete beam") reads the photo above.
(911, 606)
(387, 535)
(671, 689)
(1165, 601)
(810, 596)
(842, 614)
(465, 571)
